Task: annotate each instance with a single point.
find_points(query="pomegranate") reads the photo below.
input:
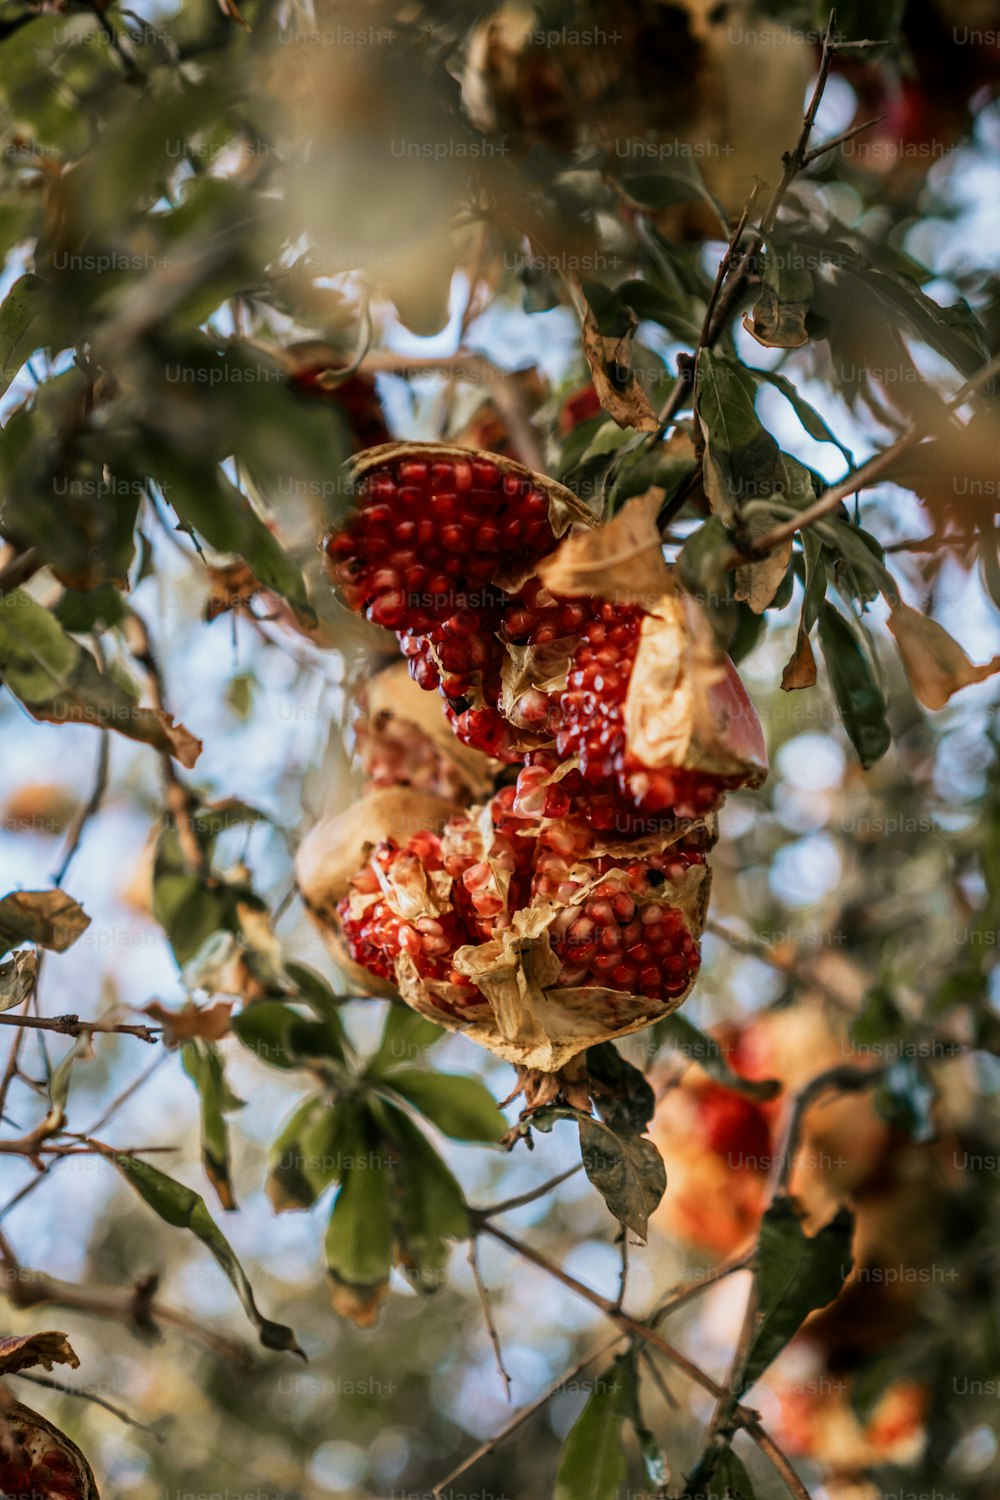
(38, 1462)
(437, 534)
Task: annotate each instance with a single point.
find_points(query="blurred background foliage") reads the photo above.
(239, 247)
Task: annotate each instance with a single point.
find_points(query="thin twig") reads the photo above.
(85, 1395)
(529, 1197)
(74, 1026)
(869, 473)
(178, 798)
(21, 567)
(75, 835)
(841, 139)
(743, 1416)
(526, 1412)
(491, 1327)
(135, 1305)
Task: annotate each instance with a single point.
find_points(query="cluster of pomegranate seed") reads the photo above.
(617, 924)
(424, 541)
(418, 555)
(626, 934)
(377, 935)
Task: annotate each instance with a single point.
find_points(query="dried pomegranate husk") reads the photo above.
(336, 848)
(405, 740)
(37, 1461)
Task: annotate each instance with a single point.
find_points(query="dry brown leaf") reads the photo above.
(17, 978)
(935, 663)
(182, 743)
(361, 1304)
(628, 405)
(49, 918)
(24, 1351)
(231, 586)
(757, 582)
(209, 1022)
(622, 561)
(800, 669)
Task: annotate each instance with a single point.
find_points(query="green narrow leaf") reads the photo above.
(405, 1038)
(592, 1465)
(60, 683)
(361, 1232)
(655, 1469)
(20, 325)
(730, 1479)
(202, 1062)
(184, 1209)
(681, 1034)
(855, 689)
(462, 1108)
(262, 1028)
(807, 414)
(627, 1171)
(430, 1209)
(796, 1275)
(290, 1182)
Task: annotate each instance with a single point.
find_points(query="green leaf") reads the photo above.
(262, 1028)
(627, 1171)
(655, 1469)
(202, 1062)
(855, 689)
(316, 993)
(681, 1034)
(60, 683)
(778, 319)
(318, 1146)
(810, 418)
(81, 610)
(291, 1179)
(21, 325)
(431, 1209)
(405, 1038)
(360, 1234)
(795, 1276)
(462, 1108)
(730, 1479)
(592, 1465)
(51, 919)
(624, 1098)
(184, 1209)
(878, 1019)
(906, 1099)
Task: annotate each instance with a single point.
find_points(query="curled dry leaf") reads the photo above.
(17, 978)
(800, 669)
(209, 1022)
(622, 398)
(622, 561)
(686, 705)
(39, 1461)
(935, 663)
(24, 1351)
(49, 918)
